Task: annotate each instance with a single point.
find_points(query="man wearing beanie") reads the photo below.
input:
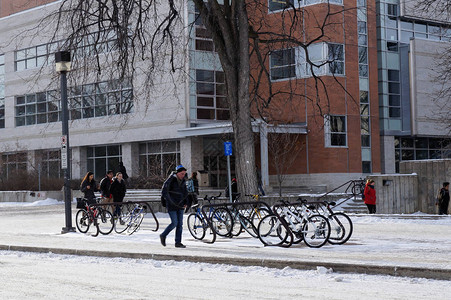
(175, 193)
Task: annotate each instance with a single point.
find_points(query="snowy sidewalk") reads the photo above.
(410, 245)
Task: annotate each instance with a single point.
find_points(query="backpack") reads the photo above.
(190, 186)
(439, 196)
(163, 200)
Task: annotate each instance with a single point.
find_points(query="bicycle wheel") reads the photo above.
(82, 221)
(316, 231)
(121, 223)
(136, 220)
(258, 214)
(237, 228)
(271, 232)
(248, 226)
(105, 221)
(222, 221)
(196, 226)
(340, 228)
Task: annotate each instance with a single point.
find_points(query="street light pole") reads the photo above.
(62, 61)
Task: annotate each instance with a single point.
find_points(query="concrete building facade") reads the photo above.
(411, 43)
(186, 118)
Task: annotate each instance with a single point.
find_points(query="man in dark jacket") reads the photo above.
(118, 191)
(105, 185)
(175, 193)
(444, 199)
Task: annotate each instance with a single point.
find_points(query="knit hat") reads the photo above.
(180, 168)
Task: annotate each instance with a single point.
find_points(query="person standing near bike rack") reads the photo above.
(118, 191)
(175, 193)
(88, 187)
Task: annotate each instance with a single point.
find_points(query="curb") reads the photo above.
(440, 274)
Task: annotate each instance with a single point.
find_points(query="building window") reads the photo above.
(392, 10)
(282, 64)
(394, 94)
(335, 131)
(211, 101)
(103, 158)
(410, 148)
(327, 59)
(336, 58)
(158, 159)
(203, 40)
(13, 164)
(50, 163)
(101, 99)
(2, 91)
(275, 5)
(37, 108)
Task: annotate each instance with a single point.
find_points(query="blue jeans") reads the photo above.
(177, 223)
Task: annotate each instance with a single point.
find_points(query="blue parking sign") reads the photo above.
(228, 148)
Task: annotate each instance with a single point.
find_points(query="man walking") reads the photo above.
(175, 194)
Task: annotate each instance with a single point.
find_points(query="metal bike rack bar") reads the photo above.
(205, 209)
(146, 206)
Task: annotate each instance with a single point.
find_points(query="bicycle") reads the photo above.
(220, 219)
(102, 219)
(314, 230)
(131, 221)
(340, 224)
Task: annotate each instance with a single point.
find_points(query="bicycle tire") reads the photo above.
(121, 223)
(248, 226)
(105, 221)
(316, 231)
(341, 228)
(82, 221)
(258, 214)
(222, 221)
(271, 232)
(135, 223)
(237, 227)
(196, 226)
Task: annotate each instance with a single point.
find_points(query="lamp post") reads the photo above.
(62, 63)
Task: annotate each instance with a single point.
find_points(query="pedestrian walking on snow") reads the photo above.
(175, 194)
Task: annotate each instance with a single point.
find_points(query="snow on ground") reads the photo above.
(412, 240)
(51, 276)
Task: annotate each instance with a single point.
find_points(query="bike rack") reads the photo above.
(129, 206)
(351, 184)
(247, 206)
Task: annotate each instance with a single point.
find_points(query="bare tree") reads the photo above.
(244, 37)
(284, 149)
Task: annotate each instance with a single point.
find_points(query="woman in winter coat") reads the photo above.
(88, 187)
(118, 191)
(370, 196)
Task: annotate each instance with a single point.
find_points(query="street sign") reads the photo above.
(227, 148)
(63, 152)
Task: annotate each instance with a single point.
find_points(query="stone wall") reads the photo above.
(396, 193)
(431, 175)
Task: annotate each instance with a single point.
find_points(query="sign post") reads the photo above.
(228, 153)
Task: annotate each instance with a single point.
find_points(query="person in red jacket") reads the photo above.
(370, 196)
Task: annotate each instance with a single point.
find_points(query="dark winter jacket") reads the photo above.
(89, 193)
(370, 194)
(118, 190)
(105, 185)
(444, 196)
(234, 186)
(175, 193)
(123, 170)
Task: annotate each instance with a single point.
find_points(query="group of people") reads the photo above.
(179, 192)
(112, 188)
